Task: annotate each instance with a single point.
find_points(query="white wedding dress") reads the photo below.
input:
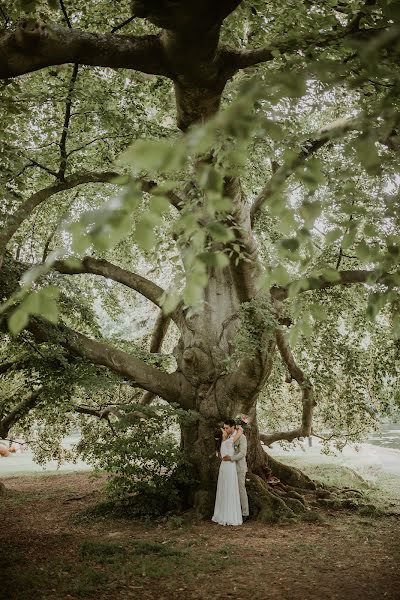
(227, 509)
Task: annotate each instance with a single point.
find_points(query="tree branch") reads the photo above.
(66, 17)
(242, 59)
(123, 24)
(25, 210)
(343, 278)
(157, 338)
(310, 147)
(19, 411)
(104, 413)
(34, 45)
(67, 118)
(307, 396)
(172, 387)
(102, 267)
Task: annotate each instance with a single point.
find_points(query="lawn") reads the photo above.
(53, 547)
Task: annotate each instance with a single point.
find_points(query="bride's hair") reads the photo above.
(218, 439)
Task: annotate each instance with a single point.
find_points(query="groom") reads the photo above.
(241, 465)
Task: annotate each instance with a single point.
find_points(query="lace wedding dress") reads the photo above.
(227, 509)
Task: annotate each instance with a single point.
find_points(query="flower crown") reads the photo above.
(242, 420)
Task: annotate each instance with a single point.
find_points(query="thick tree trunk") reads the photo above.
(268, 501)
(223, 390)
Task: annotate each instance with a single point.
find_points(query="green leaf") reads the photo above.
(290, 244)
(392, 11)
(349, 238)
(17, 321)
(73, 262)
(362, 250)
(330, 274)
(169, 302)
(144, 233)
(298, 286)
(287, 221)
(220, 203)
(310, 211)
(159, 204)
(306, 328)
(333, 235)
(210, 179)
(367, 154)
(294, 335)
(214, 259)
(280, 275)
(220, 233)
(370, 230)
(311, 174)
(192, 294)
(153, 156)
(318, 312)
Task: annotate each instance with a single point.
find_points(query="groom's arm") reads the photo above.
(242, 449)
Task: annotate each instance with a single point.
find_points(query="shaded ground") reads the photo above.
(49, 550)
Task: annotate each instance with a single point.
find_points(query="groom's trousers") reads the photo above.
(244, 501)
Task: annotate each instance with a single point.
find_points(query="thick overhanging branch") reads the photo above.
(157, 338)
(278, 436)
(172, 387)
(343, 278)
(68, 183)
(20, 410)
(34, 45)
(95, 266)
(307, 396)
(242, 59)
(104, 413)
(310, 147)
(26, 209)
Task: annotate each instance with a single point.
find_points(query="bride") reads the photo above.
(227, 510)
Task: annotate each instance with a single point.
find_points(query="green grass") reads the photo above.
(384, 492)
(102, 552)
(144, 547)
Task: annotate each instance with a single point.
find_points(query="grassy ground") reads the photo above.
(50, 548)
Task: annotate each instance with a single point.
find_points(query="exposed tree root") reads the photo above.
(267, 504)
(289, 476)
(279, 492)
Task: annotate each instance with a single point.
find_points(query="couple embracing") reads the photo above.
(231, 502)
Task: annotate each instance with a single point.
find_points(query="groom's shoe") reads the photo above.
(245, 518)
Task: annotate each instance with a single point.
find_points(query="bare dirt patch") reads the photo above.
(48, 550)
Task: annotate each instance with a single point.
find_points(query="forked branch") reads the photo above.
(310, 147)
(172, 387)
(307, 396)
(27, 207)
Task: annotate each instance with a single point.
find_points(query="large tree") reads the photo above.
(258, 202)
